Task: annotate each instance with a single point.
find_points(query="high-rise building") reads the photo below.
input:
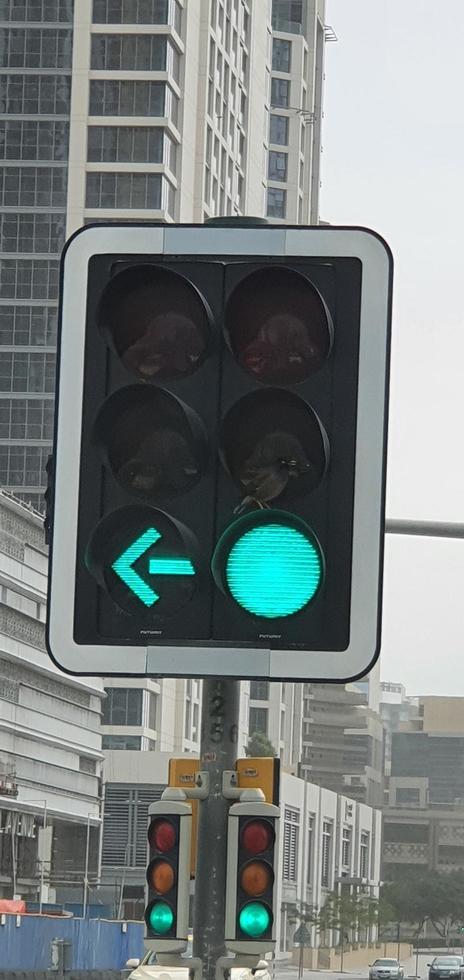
(36, 38)
(146, 110)
(342, 741)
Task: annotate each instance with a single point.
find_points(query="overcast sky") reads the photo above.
(393, 160)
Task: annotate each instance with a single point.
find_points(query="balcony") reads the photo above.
(410, 853)
(286, 26)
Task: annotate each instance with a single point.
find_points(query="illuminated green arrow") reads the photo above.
(123, 566)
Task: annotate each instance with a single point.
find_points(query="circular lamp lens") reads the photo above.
(254, 919)
(273, 570)
(257, 836)
(161, 877)
(255, 879)
(162, 835)
(160, 918)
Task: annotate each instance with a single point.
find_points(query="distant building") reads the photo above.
(50, 741)
(427, 755)
(342, 742)
(396, 711)
(424, 821)
(422, 837)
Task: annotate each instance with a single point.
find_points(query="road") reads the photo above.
(290, 972)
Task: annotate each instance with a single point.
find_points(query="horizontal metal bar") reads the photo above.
(427, 529)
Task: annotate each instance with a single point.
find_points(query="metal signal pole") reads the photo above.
(218, 752)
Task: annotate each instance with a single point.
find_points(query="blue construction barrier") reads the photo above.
(96, 944)
(93, 911)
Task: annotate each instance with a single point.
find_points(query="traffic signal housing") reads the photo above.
(251, 887)
(220, 452)
(168, 876)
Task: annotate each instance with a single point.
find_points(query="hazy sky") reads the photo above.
(393, 160)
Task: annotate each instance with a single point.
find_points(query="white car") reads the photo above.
(150, 969)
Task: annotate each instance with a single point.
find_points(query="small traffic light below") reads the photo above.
(168, 875)
(252, 850)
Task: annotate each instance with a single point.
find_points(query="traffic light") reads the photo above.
(251, 888)
(220, 452)
(168, 875)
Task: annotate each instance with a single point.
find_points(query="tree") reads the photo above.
(259, 745)
(344, 914)
(420, 895)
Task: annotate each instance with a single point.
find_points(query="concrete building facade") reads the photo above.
(423, 836)
(50, 741)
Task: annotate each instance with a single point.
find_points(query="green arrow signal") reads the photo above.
(123, 566)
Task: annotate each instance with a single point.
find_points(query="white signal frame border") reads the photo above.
(369, 491)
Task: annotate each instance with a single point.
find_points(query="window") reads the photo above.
(152, 709)
(281, 55)
(33, 187)
(126, 144)
(131, 742)
(259, 690)
(277, 169)
(406, 833)
(133, 52)
(33, 48)
(451, 854)
(131, 11)
(30, 140)
(22, 418)
(291, 835)
(124, 98)
(309, 862)
(408, 796)
(326, 853)
(287, 16)
(27, 326)
(122, 706)
(276, 203)
(37, 11)
(31, 232)
(123, 190)
(23, 465)
(35, 94)
(346, 847)
(278, 130)
(364, 855)
(27, 372)
(28, 279)
(258, 721)
(280, 93)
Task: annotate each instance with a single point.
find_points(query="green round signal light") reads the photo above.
(270, 562)
(160, 917)
(254, 919)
